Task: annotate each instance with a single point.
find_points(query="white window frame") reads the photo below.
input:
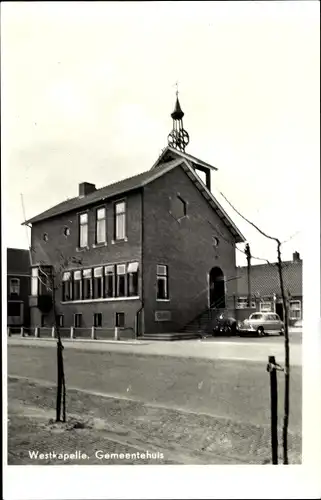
(83, 231)
(87, 274)
(121, 271)
(101, 221)
(14, 286)
(99, 275)
(245, 306)
(263, 309)
(162, 275)
(295, 309)
(120, 216)
(132, 271)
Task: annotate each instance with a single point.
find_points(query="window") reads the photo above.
(45, 278)
(295, 309)
(109, 281)
(98, 283)
(77, 320)
(120, 220)
(83, 230)
(14, 286)
(120, 319)
(45, 237)
(66, 286)
(265, 306)
(120, 280)
(242, 303)
(60, 320)
(132, 279)
(34, 281)
(256, 316)
(77, 285)
(100, 225)
(162, 282)
(98, 320)
(87, 283)
(178, 208)
(66, 231)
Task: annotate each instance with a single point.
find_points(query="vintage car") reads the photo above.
(261, 324)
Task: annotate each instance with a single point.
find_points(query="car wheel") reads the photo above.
(260, 331)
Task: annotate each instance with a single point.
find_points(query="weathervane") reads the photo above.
(178, 138)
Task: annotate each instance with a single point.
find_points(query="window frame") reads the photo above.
(77, 316)
(95, 316)
(66, 298)
(132, 280)
(162, 277)
(104, 219)
(12, 286)
(116, 216)
(245, 299)
(262, 309)
(85, 279)
(119, 315)
(295, 301)
(80, 226)
(74, 281)
(113, 280)
(118, 275)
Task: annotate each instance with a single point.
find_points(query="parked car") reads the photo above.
(225, 325)
(261, 324)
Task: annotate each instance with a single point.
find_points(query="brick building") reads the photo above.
(148, 253)
(265, 289)
(18, 287)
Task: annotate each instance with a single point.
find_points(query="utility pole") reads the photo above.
(248, 258)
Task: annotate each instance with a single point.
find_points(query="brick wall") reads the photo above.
(186, 247)
(123, 251)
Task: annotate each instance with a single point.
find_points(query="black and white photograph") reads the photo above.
(161, 249)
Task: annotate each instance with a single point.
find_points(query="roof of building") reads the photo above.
(164, 164)
(265, 279)
(17, 261)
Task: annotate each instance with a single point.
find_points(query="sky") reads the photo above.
(88, 88)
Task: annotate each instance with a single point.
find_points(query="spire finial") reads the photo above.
(178, 138)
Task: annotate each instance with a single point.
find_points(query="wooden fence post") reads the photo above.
(21, 332)
(93, 333)
(116, 333)
(271, 368)
(53, 332)
(37, 331)
(72, 332)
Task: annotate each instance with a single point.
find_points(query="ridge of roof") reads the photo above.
(114, 189)
(139, 181)
(184, 155)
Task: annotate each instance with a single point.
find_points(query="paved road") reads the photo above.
(228, 388)
(245, 349)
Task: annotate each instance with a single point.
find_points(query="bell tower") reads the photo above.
(178, 138)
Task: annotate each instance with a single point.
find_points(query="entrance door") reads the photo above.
(279, 310)
(217, 288)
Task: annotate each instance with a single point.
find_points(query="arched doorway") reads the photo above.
(217, 288)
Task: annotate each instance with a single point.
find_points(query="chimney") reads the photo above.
(86, 188)
(296, 257)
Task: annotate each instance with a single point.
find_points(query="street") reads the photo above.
(208, 408)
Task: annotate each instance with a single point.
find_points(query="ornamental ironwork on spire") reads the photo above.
(178, 138)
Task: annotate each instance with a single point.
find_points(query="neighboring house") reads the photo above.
(266, 292)
(18, 287)
(155, 249)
